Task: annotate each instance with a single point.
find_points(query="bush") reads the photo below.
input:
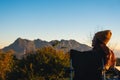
(6, 63)
(46, 64)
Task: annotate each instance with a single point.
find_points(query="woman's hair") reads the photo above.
(103, 36)
(108, 55)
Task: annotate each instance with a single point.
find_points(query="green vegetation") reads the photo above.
(6, 64)
(46, 64)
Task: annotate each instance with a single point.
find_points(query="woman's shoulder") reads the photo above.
(80, 53)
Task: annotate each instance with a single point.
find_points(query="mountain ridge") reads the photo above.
(22, 46)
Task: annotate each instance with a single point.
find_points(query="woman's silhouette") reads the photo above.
(90, 65)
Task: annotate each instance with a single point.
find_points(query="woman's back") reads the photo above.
(87, 65)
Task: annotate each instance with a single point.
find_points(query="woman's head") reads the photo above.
(101, 37)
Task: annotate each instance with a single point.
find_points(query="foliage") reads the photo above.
(46, 64)
(6, 63)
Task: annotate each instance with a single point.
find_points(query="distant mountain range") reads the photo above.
(20, 46)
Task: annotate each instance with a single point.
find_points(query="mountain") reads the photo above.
(66, 45)
(22, 46)
(40, 43)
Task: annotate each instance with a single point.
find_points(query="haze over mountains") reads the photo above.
(20, 46)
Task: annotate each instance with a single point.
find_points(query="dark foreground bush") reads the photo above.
(45, 64)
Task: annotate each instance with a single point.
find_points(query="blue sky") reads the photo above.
(58, 19)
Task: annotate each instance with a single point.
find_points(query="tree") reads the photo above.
(46, 64)
(6, 63)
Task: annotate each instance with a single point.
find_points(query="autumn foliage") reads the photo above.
(45, 64)
(6, 63)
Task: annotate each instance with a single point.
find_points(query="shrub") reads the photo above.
(6, 63)
(46, 64)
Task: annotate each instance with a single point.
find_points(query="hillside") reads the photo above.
(23, 46)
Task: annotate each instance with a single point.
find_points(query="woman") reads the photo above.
(105, 56)
(90, 65)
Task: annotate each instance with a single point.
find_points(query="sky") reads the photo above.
(58, 19)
